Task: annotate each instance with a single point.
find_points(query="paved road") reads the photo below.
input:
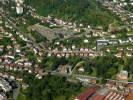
(16, 92)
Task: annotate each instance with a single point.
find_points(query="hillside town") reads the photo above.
(36, 46)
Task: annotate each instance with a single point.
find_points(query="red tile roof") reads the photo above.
(85, 95)
(98, 97)
(114, 96)
(130, 96)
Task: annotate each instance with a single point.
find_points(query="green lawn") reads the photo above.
(60, 98)
(21, 96)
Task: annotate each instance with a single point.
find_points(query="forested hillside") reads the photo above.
(85, 11)
(50, 88)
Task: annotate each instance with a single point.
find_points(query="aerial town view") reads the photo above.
(66, 49)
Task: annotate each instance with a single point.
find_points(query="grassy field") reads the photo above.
(21, 96)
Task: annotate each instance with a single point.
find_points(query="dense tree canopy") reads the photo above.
(51, 88)
(106, 66)
(86, 11)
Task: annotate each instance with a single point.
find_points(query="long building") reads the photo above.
(88, 93)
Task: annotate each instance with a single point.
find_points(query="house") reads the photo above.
(110, 84)
(129, 54)
(27, 64)
(102, 42)
(123, 75)
(93, 81)
(64, 69)
(81, 69)
(39, 76)
(119, 55)
(86, 41)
